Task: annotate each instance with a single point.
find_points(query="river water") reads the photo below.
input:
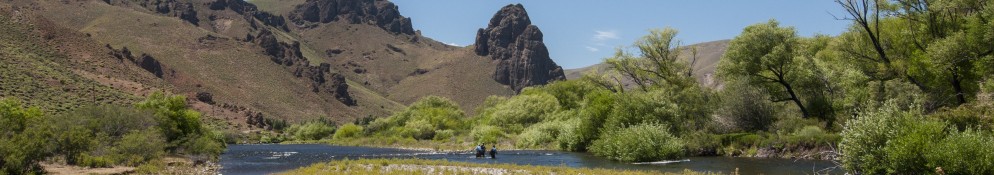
(267, 159)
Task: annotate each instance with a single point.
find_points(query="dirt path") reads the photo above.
(67, 169)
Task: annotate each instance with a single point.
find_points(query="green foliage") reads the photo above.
(22, 138)
(94, 161)
(636, 108)
(746, 108)
(421, 119)
(812, 136)
(139, 146)
(539, 135)
(311, 131)
(766, 55)
(175, 119)
(890, 141)
(487, 134)
(639, 143)
(521, 111)
(348, 131)
(444, 134)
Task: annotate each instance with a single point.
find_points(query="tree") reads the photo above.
(866, 16)
(658, 63)
(765, 55)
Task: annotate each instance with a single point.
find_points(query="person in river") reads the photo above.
(493, 152)
(479, 150)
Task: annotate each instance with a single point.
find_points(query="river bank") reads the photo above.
(420, 166)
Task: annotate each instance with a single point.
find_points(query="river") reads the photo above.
(267, 159)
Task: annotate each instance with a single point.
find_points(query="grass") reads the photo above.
(420, 166)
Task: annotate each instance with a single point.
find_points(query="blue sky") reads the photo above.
(583, 32)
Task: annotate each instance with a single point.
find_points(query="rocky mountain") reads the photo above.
(381, 13)
(252, 63)
(511, 40)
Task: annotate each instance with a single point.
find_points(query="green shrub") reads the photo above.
(639, 143)
(522, 111)
(205, 146)
(812, 136)
(539, 135)
(175, 120)
(94, 161)
(348, 131)
(444, 134)
(421, 119)
(311, 131)
(741, 140)
(487, 134)
(967, 152)
(639, 108)
(745, 108)
(892, 141)
(22, 143)
(139, 146)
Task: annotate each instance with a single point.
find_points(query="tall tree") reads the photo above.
(866, 15)
(656, 65)
(765, 55)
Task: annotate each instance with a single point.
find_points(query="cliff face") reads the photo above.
(381, 13)
(323, 81)
(517, 45)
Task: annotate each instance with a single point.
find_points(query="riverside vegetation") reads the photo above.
(907, 89)
(141, 135)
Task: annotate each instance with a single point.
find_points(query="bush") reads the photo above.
(348, 131)
(812, 136)
(311, 131)
(746, 108)
(522, 111)
(139, 146)
(205, 146)
(94, 161)
(639, 143)
(175, 120)
(892, 141)
(444, 134)
(22, 143)
(637, 108)
(539, 135)
(967, 152)
(421, 119)
(487, 134)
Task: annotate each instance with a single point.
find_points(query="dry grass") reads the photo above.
(420, 166)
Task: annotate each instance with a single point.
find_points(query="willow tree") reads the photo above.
(656, 64)
(765, 55)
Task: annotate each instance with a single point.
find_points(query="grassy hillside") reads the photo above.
(34, 72)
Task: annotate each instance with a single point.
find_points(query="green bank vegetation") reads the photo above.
(104, 136)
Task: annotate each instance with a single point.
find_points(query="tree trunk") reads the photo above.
(959, 88)
(793, 97)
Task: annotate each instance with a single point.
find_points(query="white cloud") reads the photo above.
(605, 35)
(452, 44)
(592, 49)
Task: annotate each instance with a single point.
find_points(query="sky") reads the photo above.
(580, 33)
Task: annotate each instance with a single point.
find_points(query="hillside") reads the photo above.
(708, 55)
(292, 60)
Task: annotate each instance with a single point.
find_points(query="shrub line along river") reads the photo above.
(274, 158)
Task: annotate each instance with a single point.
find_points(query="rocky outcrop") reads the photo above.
(175, 8)
(145, 61)
(381, 13)
(523, 59)
(323, 81)
(250, 11)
